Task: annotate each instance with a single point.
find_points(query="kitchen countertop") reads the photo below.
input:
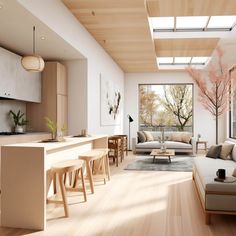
(69, 141)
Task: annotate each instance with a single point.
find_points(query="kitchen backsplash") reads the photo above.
(6, 123)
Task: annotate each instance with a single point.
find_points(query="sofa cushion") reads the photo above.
(148, 135)
(233, 153)
(141, 137)
(226, 150)
(176, 136)
(207, 167)
(169, 144)
(214, 151)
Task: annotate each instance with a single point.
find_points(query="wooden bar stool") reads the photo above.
(115, 149)
(124, 144)
(107, 166)
(91, 156)
(60, 170)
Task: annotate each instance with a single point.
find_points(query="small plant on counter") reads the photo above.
(19, 121)
(52, 126)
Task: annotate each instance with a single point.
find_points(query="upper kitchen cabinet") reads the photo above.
(15, 82)
(54, 98)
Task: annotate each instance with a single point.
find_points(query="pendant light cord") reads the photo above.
(34, 40)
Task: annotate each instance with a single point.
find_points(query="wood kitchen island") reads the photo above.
(24, 173)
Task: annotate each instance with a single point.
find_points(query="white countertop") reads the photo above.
(69, 140)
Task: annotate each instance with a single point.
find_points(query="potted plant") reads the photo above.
(19, 121)
(52, 126)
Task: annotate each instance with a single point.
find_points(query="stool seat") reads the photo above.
(92, 155)
(67, 166)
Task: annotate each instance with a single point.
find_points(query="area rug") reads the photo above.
(178, 163)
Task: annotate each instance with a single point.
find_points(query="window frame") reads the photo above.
(163, 84)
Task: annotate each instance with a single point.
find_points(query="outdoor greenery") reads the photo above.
(166, 105)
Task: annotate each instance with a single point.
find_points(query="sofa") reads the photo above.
(178, 146)
(215, 197)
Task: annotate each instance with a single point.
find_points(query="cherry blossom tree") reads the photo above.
(214, 87)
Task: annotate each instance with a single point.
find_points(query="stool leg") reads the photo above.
(89, 173)
(63, 194)
(54, 183)
(107, 167)
(83, 185)
(104, 168)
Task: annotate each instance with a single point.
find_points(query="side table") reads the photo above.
(201, 142)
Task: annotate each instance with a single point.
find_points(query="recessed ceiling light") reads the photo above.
(1, 6)
(42, 38)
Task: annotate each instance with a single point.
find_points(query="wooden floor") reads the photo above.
(135, 203)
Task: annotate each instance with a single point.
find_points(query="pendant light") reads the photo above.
(33, 63)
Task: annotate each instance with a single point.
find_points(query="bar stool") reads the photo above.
(115, 149)
(60, 170)
(90, 157)
(124, 144)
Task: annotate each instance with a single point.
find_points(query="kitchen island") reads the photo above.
(24, 172)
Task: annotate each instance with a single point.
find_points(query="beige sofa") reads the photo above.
(177, 146)
(216, 197)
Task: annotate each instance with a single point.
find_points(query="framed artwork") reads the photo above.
(110, 100)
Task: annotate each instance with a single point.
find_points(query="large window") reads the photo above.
(166, 105)
(232, 110)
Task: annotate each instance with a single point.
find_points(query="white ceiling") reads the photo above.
(16, 25)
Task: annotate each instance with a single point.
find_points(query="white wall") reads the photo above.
(204, 123)
(6, 121)
(56, 16)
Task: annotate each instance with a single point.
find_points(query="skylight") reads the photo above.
(162, 22)
(182, 61)
(221, 22)
(165, 60)
(191, 22)
(199, 60)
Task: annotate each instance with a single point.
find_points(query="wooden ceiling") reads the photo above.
(198, 47)
(121, 27)
(191, 7)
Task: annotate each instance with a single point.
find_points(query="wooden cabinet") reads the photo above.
(15, 82)
(54, 99)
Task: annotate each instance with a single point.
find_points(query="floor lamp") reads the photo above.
(130, 120)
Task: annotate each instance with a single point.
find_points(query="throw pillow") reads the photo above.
(226, 150)
(234, 172)
(141, 137)
(149, 136)
(214, 151)
(176, 136)
(186, 137)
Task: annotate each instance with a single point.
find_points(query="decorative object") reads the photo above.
(162, 140)
(213, 95)
(145, 163)
(198, 137)
(130, 121)
(52, 126)
(19, 121)
(110, 103)
(33, 63)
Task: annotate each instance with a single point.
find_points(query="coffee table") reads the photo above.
(158, 153)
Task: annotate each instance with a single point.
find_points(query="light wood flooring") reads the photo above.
(135, 203)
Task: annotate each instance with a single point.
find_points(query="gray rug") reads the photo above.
(178, 163)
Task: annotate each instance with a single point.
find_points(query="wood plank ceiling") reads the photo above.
(194, 46)
(121, 28)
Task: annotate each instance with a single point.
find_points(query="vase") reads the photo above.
(19, 129)
(163, 147)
